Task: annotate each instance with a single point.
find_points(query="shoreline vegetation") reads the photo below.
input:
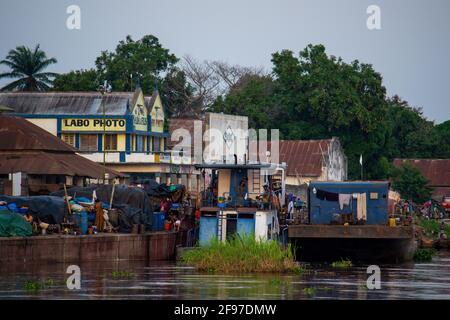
(243, 255)
(432, 228)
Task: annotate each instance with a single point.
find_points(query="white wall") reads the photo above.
(49, 125)
(336, 166)
(235, 128)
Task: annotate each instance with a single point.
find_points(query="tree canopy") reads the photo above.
(410, 183)
(315, 96)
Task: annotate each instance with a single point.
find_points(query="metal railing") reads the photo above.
(192, 237)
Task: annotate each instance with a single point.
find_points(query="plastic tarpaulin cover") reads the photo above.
(134, 203)
(48, 209)
(13, 225)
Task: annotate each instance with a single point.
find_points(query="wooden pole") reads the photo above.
(112, 195)
(67, 200)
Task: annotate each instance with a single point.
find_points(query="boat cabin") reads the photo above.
(240, 199)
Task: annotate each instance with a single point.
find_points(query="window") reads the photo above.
(110, 142)
(156, 144)
(88, 142)
(132, 143)
(140, 143)
(69, 138)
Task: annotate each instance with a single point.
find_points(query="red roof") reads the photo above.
(25, 147)
(303, 157)
(20, 134)
(437, 171)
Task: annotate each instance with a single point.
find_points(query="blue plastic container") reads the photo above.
(158, 221)
(76, 218)
(84, 222)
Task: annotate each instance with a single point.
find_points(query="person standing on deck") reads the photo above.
(99, 219)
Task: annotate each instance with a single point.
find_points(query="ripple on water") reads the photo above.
(429, 280)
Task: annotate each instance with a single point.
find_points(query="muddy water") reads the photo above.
(171, 281)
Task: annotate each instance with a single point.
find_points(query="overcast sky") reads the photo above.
(411, 51)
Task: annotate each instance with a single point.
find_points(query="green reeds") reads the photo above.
(343, 264)
(242, 254)
(424, 255)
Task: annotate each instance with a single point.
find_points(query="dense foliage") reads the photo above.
(242, 255)
(144, 62)
(314, 96)
(79, 80)
(410, 183)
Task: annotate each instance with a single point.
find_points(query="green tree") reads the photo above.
(177, 95)
(442, 132)
(78, 80)
(28, 65)
(410, 183)
(144, 59)
(410, 134)
(145, 62)
(250, 96)
(316, 96)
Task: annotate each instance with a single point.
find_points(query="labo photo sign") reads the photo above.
(93, 124)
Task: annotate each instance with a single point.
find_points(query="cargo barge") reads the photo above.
(349, 220)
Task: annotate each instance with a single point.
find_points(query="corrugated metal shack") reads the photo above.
(358, 202)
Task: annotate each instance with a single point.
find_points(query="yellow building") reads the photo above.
(130, 136)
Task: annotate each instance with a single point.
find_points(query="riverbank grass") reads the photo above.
(432, 228)
(424, 255)
(242, 255)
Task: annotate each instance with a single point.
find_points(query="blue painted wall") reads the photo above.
(208, 229)
(321, 211)
(246, 225)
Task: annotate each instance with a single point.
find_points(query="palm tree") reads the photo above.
(27, 65)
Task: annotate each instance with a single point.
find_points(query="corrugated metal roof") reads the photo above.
(437, 171)
(303, 157)
(19, 134)
(41, 162)
(77, 103)
(25, 147)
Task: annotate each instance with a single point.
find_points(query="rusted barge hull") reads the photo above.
(152, 246)
(357, 243)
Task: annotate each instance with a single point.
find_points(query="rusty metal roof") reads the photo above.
(303, 157)
(25, 147)
(437, 171)
(19, 134)
(41, 162)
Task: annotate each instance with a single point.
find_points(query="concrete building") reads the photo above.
(215, 139)
(312, 160)
(132, 137)
(436, 171)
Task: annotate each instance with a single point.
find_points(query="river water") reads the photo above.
(169, 280)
